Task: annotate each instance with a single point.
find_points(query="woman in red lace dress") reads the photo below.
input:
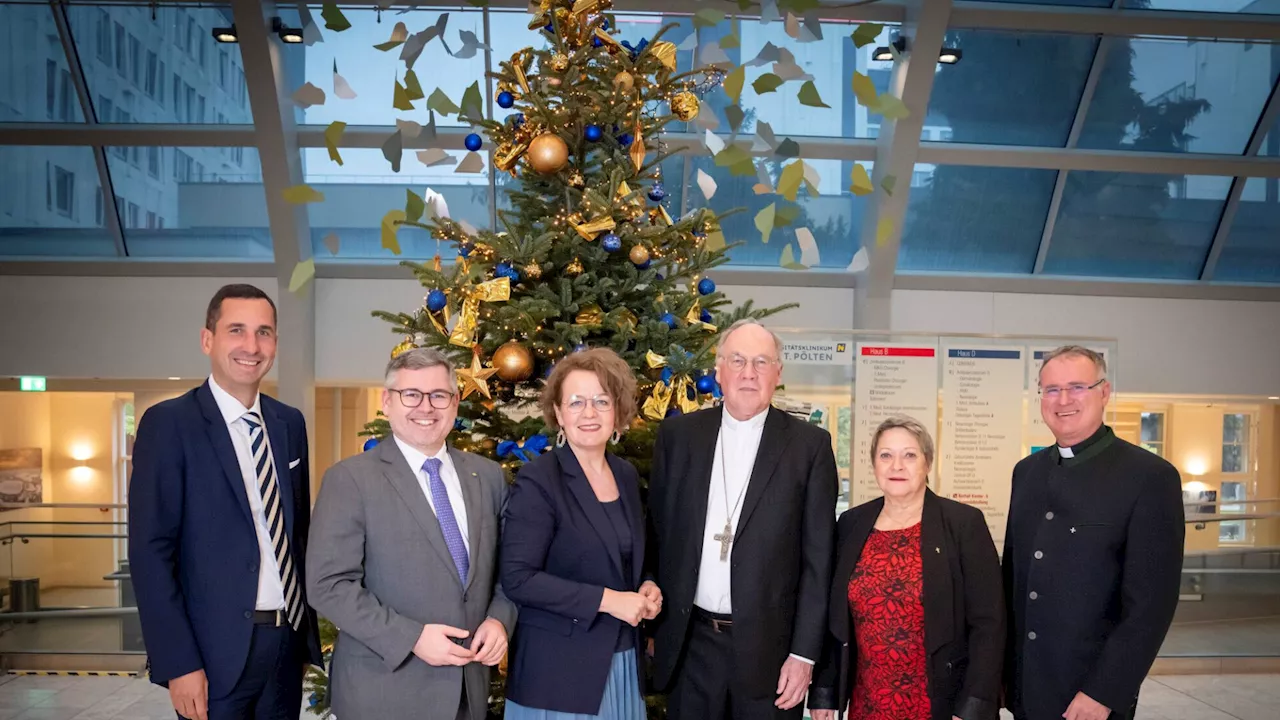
(916, 610)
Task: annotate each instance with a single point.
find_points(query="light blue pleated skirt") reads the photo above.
(622, 699)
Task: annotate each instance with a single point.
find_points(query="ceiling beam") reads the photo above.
(1098, 160)
(281, 160)
(1101, 287)
(1105, 21)
(1073, 140)
(110, 211)
(898, 148)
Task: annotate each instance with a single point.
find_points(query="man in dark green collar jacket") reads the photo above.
(1092, 556)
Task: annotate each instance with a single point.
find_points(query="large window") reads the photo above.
(1236, 471)
(1153, 432)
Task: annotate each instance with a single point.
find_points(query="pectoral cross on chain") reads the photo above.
(724, 538)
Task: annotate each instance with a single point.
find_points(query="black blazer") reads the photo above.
(559, 553)
(781, 553)
(193, 548)
(964, 621)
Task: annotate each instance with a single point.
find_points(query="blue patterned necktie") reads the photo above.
(444, 513)
(264, 464)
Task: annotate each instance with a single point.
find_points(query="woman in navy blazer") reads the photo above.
(572, 552)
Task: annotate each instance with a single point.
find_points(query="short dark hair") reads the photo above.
(237, 291)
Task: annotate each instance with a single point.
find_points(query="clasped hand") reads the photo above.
(436, 645)
(633, 607)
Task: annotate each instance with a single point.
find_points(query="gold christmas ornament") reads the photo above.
(548, 153)
(403, 347)
(665, 52)
(685, 105)
(624, 81)
(514, 361)
(589, 315)
(559, 62)
(574, 268)
(576, 179)
(639, 254)
(637, 149)
(476, 377)
(533, 271)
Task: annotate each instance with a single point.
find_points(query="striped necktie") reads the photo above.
(270, 489)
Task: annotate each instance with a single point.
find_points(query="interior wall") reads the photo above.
(82, 472)
(147, 328)
(25, 422)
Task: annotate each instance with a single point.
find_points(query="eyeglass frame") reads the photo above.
(768, 362)
(594, 399)
(1073, 390)
(426, 395)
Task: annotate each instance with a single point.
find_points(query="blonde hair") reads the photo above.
(615, 376)
(911, 425)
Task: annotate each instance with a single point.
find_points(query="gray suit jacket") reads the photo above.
(378, 568)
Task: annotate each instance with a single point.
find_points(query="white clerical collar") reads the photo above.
(1066, 452)
(754, 422)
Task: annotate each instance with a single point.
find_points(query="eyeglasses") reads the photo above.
(738, 363)
(1074, 390)
(577, 404)
(411, 398)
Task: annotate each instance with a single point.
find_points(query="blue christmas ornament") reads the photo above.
(593, 133)
(506, 99)
(670, 320)
(657, 192)
(474, 142)
(370, 444)
(659, 277)
(504, 269)
(604, 23)
(666, 375)
(706, 384)
(706, 286)
(517, 120)
(644, 265)
(595, 42)
(465, 249)
(672, 412)
(436, 300)
(705, 316)
(625, 139)
(458, 424)
(611, 242)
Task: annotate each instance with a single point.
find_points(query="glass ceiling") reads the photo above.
(1122, 102)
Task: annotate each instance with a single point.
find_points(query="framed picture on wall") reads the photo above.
(20, 479)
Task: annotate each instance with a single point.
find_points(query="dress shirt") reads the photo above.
(452, 485)
(741, 441)
(270, 588)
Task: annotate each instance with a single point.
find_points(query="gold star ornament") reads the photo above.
(475, 378)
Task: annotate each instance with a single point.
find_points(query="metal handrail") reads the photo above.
(63, 522)
(76, 613)
(1270, 501)
(60, 536)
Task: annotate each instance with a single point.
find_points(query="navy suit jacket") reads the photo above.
(193, 549)
(559, 553)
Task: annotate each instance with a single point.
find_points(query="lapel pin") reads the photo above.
(938, 550)
(1073, 530)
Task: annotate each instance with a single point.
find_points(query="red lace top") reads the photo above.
(885, 594)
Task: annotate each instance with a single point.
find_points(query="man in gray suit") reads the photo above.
(403, 559)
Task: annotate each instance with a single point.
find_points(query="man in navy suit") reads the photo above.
(219, 506)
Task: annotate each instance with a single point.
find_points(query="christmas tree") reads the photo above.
(587, 256)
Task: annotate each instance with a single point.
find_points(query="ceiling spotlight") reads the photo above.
(950, 56)
(884, 54)
(226, 35)
(287, 34)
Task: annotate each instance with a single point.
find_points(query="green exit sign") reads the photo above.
(31, 383)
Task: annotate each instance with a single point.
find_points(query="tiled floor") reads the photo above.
(1167, 697)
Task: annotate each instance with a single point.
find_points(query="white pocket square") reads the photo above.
(294, 464)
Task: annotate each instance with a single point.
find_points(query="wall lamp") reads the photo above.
(293, 36)
(946, 56)
(287, 34)
(226, 34)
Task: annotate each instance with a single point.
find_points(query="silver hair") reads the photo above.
(911, 425)
(1099, 362)
(419, 359)
(777, 341)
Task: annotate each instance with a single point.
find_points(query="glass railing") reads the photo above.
(1230, 595)
(64, 576)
